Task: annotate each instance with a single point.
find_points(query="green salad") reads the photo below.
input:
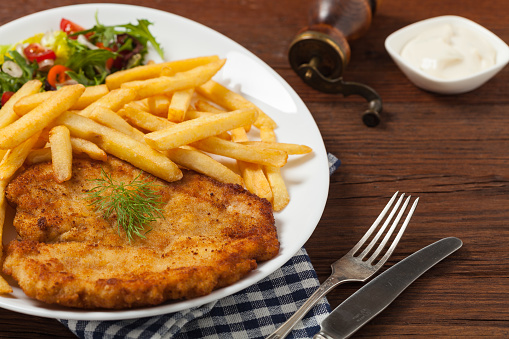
(74, 54)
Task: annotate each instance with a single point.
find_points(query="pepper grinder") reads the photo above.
(320, 52)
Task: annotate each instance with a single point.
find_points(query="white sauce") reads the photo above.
(449, 52)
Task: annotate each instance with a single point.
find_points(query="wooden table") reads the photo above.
(451, 151)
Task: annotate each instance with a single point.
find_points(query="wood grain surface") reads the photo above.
(451, 151)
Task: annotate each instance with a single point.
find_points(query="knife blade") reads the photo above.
(375, 296)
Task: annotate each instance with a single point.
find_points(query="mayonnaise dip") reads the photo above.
(449, 52)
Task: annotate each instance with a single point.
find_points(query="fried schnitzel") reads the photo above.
(212, 235)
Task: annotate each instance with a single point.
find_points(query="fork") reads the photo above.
(353, 267)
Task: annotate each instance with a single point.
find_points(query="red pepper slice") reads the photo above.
(37, 52)
(57, 75)
(6, 96)
(101, 46)
(109, 62)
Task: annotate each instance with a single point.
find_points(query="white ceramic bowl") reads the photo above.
(397, 40)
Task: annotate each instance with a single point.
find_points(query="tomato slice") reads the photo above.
(57, 75)
(6, 96)
(37, 52)
(70, 27)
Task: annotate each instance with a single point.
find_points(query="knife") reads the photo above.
(374, 297)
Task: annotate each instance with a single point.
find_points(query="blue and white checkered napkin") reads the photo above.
(254, 312)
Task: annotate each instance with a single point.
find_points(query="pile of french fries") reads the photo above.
(159, 117)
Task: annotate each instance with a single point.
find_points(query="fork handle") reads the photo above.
(324, 288)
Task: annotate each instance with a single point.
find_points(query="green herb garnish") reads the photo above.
(135, 204)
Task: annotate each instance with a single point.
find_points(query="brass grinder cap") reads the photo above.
(329, 55)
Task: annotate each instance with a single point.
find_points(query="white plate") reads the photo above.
(307, 177)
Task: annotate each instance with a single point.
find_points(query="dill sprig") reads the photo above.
(135, 204)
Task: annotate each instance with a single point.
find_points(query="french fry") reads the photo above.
(204, 164)
(194, 160)
(150, 122)
(5, 288)
(254, 177)
(191, 159)
(15, 157)
(208, 107)
(179, 104)
(29, 102)
(195, 114)
(228, 99)
(38, 118)
(255, 180)
(136, 116)
(192, 114)
(43, 137)
(180, 81)
(268, 137)
(7, 114)
(257, 155)
(143, 105)
(108, 118)
(61, 153)
(138, 104)
(3, 152)
(80, 146)
(291, 149)
(36, 156)
(280, 195)
(91, 94)
(239, 135)
(167, 72)
(144, 72)
(205, 106)
(114, 100)
(122, 146)
(159, 104)
(200, 128)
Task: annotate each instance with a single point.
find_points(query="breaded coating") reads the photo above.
(212, 234)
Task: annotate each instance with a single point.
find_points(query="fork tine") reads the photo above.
(398, 236)
(382, 229)
(373, 227)
(389, 233)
